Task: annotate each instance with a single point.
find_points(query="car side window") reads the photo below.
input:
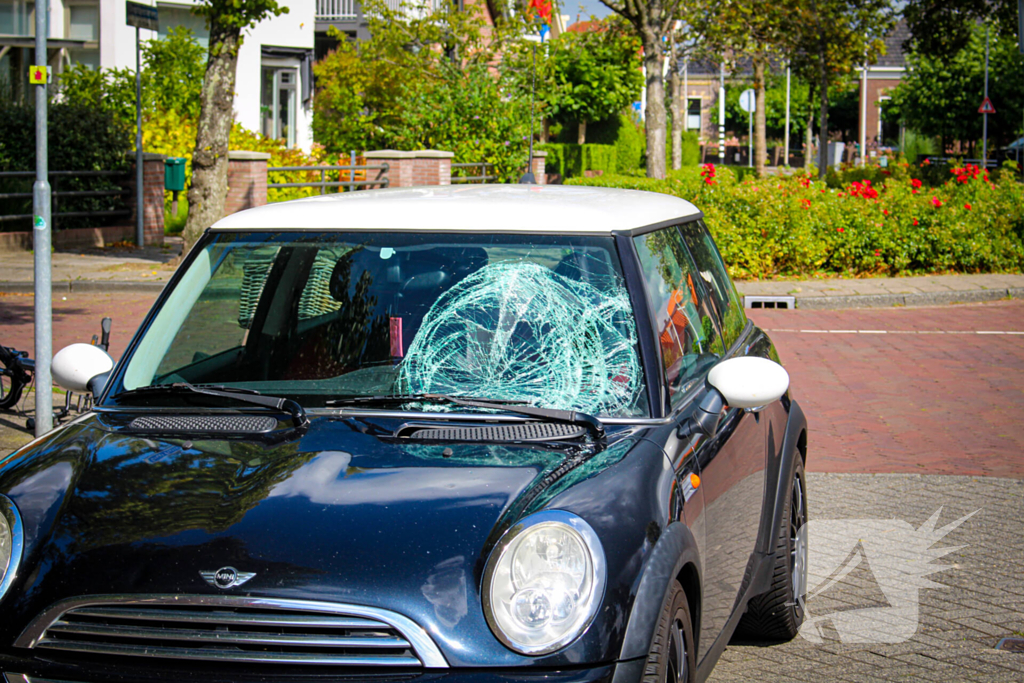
(685, 326)
(724, 298)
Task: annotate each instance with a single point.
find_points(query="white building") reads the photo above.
(274, 85)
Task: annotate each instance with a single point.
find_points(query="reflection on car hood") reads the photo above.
(337, 515)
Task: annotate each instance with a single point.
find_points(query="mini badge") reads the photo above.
(226, 577)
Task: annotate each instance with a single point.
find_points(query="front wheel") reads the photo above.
(672, 658)
(776, 615)
(11, 380)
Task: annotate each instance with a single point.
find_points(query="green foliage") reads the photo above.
(80, 138)
(915, 144)
(940, 96)
(775, 111)
(942, 28)
(237, 14)
(786, 226)
(570, 160)
(691, 148)
(622, 132)
(424, 80)
(582, 76)
(599, 158)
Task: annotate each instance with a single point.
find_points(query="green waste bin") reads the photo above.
(174, 174)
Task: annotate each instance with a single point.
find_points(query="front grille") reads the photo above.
(233, 629)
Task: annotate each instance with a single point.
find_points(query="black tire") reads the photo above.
(776, 615)
(673, 657)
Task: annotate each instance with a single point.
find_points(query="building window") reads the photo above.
(17, 18)
(693, 121)
(172, 16)
(278, 102)
(84, 23)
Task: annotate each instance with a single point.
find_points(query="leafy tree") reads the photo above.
(209, 188)
(653, 20)
(425, 79)
(758, 30)
(830, 39)
(942, 28)
(586, 76)
(940, 95)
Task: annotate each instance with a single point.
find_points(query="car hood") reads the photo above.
(336, 514)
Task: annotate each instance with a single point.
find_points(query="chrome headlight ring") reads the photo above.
(12, 542)
(544, 582)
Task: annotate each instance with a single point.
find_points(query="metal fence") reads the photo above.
(486, 173)
(61, 197)
(352, 171)
(347, 10)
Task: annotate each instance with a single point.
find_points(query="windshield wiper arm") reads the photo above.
(252, 396)
(589, 422)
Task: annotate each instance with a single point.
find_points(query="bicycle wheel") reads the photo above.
(11, 381)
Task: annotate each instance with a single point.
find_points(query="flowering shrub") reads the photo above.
(796, 225)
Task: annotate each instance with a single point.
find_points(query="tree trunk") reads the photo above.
(809, 141)
(209, 188)
(675, 89)
(581, 134)
(760, 123)
(545, 130)
(654, 113)
(823, 120)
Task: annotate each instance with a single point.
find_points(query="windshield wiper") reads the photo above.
(252, 396)
(589, 422)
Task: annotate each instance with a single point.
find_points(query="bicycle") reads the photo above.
(17, 371)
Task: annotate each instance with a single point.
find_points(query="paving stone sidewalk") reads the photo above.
(110, 269)
(890, 291)
(959, 624)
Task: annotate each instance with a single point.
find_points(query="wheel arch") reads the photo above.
(675, 556)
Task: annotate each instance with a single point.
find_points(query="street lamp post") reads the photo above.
(41, 228)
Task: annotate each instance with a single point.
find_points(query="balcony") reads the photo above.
(331, 11)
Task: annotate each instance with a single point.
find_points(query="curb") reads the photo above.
(103, 286)
(921, 299)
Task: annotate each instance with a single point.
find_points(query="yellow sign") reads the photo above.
(37, 75)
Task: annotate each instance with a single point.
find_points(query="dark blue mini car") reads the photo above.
(480, 433)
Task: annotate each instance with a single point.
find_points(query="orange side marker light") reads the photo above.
(694, 480)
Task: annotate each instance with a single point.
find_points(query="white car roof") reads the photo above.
(477, 208)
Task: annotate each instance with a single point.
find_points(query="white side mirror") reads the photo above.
(749, 382)
(75, 366)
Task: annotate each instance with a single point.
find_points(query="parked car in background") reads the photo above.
(489, 432)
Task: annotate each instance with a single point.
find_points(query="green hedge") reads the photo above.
(798, 226)
(570, 160)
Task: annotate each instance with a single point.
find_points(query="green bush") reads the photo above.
(792, 226)
(691, 148)
(600, 158)
(571, 160)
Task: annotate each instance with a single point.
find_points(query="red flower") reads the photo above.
(878, 252)
(926, 163)
(967, 206)
(915, 183)
(915, 221)
(936, 202)
(840, 229)
(885, 212)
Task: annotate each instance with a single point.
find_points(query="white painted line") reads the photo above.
(1003, 332)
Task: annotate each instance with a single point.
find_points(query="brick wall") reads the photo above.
(152, 197)
(413, 169)
(537, 167)
(247, 181)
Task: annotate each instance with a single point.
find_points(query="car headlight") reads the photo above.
(11, 540)
(544, 582)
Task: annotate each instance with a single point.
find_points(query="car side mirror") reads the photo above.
(76, 367)
(749, 381)
(744, 382)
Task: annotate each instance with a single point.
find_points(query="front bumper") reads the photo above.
(14, 671)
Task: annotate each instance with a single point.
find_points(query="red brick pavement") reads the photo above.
(924, 403)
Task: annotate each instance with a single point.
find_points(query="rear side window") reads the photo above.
(684, 323)
(724, 298)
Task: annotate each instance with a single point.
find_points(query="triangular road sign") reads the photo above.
(986, 107)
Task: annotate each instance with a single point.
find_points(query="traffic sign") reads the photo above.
(141, 16)
(748, 101)
(986, 107)
(37, 75)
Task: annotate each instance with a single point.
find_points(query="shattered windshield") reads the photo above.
(543, 319)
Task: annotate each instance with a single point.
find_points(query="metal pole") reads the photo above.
(686, 95)
(864, 115)
(721, 116)
(139, 208)
(352, 170)
(785, 160)
(41, 240)
(984, 117)
(750, 137)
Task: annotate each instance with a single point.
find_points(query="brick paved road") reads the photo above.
(959, 625)
(912, 402)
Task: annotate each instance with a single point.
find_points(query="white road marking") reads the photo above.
(1003, 332)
